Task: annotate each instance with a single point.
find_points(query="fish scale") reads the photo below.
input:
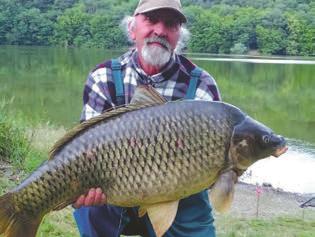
(162, 152)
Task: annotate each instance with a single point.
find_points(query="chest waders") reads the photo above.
(193, 218)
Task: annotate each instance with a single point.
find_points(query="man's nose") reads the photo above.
(160, 29)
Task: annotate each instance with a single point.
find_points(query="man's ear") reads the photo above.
(131, 29)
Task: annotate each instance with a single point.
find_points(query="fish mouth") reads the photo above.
(279, 151)
(281, 148)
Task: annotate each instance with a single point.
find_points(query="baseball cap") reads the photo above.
(151, 5)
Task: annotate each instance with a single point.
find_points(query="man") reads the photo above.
(155, 29)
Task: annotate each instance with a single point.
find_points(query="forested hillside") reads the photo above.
(278, 27)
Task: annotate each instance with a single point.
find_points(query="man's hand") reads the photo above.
(95, 197)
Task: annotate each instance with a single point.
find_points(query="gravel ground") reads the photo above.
(272, 202)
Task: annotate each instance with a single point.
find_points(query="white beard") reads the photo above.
(156, 55)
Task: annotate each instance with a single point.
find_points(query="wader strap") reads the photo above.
(194, 77)
(118, 81)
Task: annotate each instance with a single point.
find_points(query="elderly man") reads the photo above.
(155, 28)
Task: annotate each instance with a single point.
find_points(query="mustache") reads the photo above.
(160, 40)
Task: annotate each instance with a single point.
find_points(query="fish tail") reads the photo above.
(12, 224)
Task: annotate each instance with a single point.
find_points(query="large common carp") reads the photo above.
(148, 154)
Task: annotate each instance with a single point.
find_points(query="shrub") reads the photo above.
(14, 145)
(239, 48)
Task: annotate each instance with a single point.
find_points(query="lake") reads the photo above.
(44, 84)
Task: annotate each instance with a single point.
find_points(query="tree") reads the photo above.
(106, 33)
(271, 41)
(210, 34)
(243, 27)
(301, 37)
(30, 28)
(72, 28)
(8, 11)
(42, 5)
(239, 48)
(217, 26)
(62, 5)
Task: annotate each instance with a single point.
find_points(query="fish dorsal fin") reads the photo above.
(145, 94)
(107, 115)
(161, 215)
(222, 192)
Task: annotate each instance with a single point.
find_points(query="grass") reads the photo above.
(285, 226)
(23, 148)
(58, 224)
(14, 146)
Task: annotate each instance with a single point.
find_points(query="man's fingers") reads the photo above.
(79, 202)
(98, 197)
(94, 197)
(89, 199)
(103, 200)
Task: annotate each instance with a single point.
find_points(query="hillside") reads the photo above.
(269, 27)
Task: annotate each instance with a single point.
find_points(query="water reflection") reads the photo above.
(293, 171)
(306, 148)
(255, 60)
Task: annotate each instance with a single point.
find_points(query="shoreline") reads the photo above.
(272, 202)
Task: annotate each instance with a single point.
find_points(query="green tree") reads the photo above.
(30, 28)
(301, 38)
(208, 33)
(61, 5)
(243, 29)
(217, 26)
(271, 41)
(8, 11)
(106, 33)
(72, 28)
(42, 5)
(239, 48)
(295, 31)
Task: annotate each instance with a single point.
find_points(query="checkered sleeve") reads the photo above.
(96, 94)
(207, 88)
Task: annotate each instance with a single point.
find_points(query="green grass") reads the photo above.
(58, 224)
(14, 146)
(15, 143)
(286, 226)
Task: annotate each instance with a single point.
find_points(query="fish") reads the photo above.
(150, 154)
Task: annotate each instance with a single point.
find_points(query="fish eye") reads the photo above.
(266, 138)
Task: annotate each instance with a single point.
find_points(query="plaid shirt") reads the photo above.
(172, 82)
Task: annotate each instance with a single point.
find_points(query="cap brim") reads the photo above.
(180, 14)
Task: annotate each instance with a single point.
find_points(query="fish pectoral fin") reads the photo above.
(142, 211)
(222, 192)
(161, 215)
(145, 94)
